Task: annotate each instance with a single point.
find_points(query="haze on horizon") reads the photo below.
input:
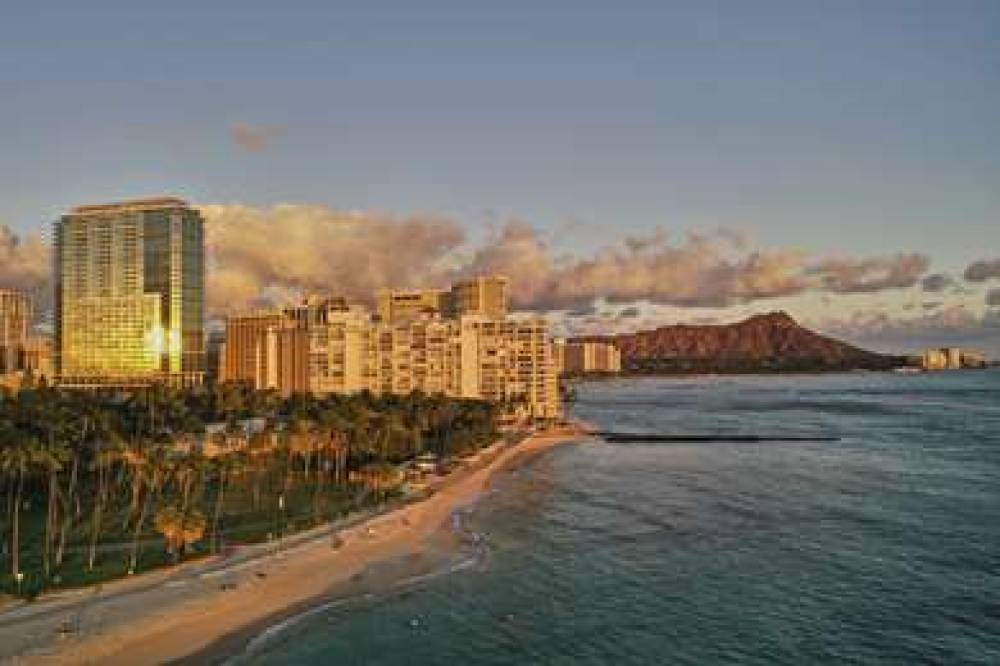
(658, 162)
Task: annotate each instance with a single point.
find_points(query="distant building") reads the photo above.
(15, 322)
(130, 287)
(401, 306)
(951, 358)
(238, 353)
(282, 359)
(327, 346)
(24, 355)
(480, 296)
(339, 352)
(38, 358)
(510, 361)
(590, 357)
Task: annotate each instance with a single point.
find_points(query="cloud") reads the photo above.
(993, 297)
(296, 249)
(702, 270)
(982, 270)
(952, 325)
(264, 255)
(255, 138)
(853, 276)
(936, 283)
(26, 265)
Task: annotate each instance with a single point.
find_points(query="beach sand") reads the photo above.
(220, 610)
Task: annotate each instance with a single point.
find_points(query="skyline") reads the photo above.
(849, 154)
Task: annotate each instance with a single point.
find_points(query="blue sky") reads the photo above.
(848, 128)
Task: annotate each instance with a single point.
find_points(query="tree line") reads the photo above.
(92, 479)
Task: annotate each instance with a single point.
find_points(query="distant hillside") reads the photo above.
(771, 342)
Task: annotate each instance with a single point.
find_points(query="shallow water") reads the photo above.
(882, 547)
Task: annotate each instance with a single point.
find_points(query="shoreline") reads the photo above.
(235, 646)
(212, 616)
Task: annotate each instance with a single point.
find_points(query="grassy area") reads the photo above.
(247, 517)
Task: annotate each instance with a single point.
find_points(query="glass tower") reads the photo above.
(130, 285)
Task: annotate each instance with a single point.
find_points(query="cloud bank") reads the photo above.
(950, 325)
(936, 283)
(851, 276)
(982, 270)
(259, 256)
(255, 253)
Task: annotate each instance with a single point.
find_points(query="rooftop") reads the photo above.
(153, 203)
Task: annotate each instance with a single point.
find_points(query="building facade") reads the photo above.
(407, 347)
(396, 306)
(952, 358)
(590, 357)
(130, 285)
(238, 352)
(15, 323)
(479, 296)
(512, 362)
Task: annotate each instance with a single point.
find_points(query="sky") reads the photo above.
(628, 164)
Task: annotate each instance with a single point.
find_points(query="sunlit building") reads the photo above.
(590, 357)
(952, 358)
(512, 362)
(480, 296)
(282, 359)
(400, 306)
(326, 346)
(15, 322)
(238, 352)
(37, 358)
(130, 284)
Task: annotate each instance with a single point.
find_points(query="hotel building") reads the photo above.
(15, 322)
(589, 357)
(404, 349)
(400, 306)
(130, 284)
(482, 296)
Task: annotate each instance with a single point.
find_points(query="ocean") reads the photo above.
(882, 547)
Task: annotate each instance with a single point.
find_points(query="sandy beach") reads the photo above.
(166, 616)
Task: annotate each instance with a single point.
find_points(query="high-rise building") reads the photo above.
(409, 347)
(238, 355)
(418, 355)
(591, 357)
(481, 296)
(339, 352)
(130, 286)
(282, 355)
(401, 306)
(510, 361)
(15, 322)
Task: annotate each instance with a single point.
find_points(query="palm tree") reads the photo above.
(103, 461)
(179, 529)
(51, 459)
(16, 458)
(224, 465)
(152, 469)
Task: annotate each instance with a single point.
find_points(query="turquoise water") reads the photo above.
(880, 548)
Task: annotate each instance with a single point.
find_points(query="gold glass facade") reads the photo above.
(130, 294)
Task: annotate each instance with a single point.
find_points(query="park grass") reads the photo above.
(242, 523)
